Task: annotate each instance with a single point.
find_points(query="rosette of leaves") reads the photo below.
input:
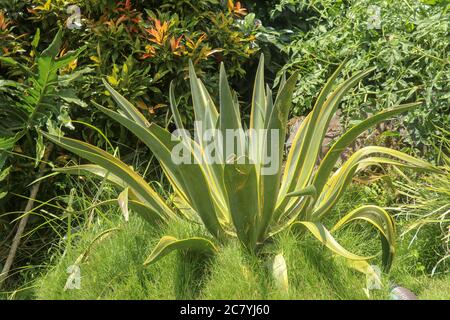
(238, 200)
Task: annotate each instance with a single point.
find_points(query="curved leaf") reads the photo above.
(241, 184)
(339, 181)
(299, 169)
(269, 183)
(381, 220)
(321, 233)
(279, 272)
(161, 143)
(144, 192)
(147, 213)
(126, 106)
(327, 164)
(308, 191)
(167, 244)
(85, 169)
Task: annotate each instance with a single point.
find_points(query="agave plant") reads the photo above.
(236, 198)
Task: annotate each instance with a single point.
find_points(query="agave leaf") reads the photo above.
(269, 183)
(143, 191)
(243, 200)
(282, 202)
(84, 169)
(206, 118)
(205, 112)
(148, 213)
(213, 168)
(379, 218)
(168, 244)
(321, 233)
(302, 167)
(304, 134)
(230, 118)
(201, 199)
(371, 272)
(184, 207)
(279, 272)
(327, 164)
(258, 110)
(157, 139)
(270, 104)
(126, 106)
(308, 191)
(301, 201)
(257, 114)
(339, 181)
(160, 142)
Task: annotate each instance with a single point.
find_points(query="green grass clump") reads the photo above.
(113, 266)
(313, 273)
(437, 289)
(113, 269)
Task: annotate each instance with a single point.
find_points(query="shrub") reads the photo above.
(407, 42)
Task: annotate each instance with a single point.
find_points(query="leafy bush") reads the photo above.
(406, 40)
(40, 98)
(137, 45)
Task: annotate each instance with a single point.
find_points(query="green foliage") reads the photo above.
(408, 44)
(35, 95)
(40, 100)
(140, 46)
